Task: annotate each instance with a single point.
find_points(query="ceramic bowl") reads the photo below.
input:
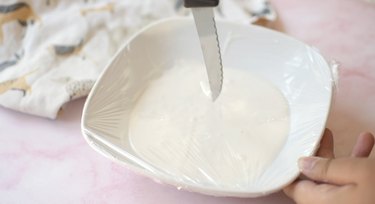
(296, 69)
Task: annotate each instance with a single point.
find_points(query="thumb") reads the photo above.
(332, 171)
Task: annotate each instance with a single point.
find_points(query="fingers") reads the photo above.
(364, 145)
(299, 189)
(326, 145)
(326, 175)
(306, 191)
(334, 171)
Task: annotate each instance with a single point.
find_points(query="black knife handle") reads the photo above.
(201, 3)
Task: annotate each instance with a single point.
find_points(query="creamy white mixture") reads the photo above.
(227, 143)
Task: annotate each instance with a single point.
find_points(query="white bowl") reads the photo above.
(297, 70)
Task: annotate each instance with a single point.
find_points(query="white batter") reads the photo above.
(227, 143)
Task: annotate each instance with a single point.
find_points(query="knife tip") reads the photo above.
(215, 95)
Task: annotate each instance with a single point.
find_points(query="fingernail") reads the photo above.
(306, 164)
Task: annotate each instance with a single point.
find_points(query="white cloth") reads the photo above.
(52, 51)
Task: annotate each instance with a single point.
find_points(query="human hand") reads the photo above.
(330, 180)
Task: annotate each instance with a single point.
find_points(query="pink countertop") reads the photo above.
(45, 161)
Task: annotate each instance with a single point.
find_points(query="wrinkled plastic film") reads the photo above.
(203, 153)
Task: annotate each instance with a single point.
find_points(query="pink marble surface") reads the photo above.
(44, 161)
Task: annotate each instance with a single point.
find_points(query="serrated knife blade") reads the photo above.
(206, 26)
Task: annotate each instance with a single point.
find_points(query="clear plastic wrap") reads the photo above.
(211, 164)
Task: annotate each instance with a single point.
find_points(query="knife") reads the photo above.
(204, 18)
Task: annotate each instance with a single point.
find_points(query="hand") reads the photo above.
(330, 180)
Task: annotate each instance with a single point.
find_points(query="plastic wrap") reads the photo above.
(217, 163)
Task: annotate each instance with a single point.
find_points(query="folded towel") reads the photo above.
(52, 51)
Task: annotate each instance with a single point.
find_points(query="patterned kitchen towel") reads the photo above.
(52, 51)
